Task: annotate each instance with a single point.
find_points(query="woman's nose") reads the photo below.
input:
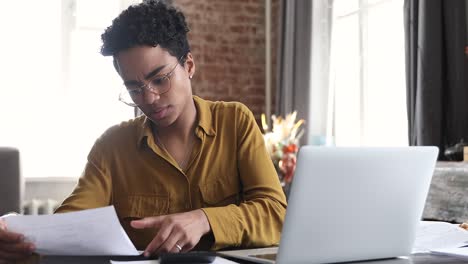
(149, 97)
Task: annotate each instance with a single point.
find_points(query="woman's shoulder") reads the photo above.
(227, 108)
(125, 130)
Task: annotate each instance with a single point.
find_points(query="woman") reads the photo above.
(189, 173)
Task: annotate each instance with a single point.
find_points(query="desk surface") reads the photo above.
(414, 259)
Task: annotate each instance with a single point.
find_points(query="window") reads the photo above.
(368, 73)
(57, 93)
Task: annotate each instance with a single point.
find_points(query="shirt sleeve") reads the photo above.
(94, 187)
(258, 220)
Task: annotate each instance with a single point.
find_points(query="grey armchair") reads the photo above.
(11, 183)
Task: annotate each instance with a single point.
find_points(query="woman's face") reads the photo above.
(146, 66)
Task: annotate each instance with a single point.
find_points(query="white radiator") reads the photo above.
(39, 206)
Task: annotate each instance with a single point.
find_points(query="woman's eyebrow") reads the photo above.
(155, 71)
(149, 75)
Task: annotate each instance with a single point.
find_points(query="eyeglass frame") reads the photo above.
(147, 85)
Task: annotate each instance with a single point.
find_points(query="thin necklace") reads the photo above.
(187, 153)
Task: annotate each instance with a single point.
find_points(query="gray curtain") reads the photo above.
(436, 72)
(294, 55)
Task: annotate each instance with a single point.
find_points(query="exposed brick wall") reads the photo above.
(227, 39)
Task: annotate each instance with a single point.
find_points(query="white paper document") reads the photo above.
(90, 232)
(437, 235)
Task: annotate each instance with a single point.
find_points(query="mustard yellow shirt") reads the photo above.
(229, 175)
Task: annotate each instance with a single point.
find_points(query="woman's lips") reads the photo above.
(160, 113)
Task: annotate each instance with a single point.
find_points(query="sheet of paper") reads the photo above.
(91, 232)
(461, 253)
(218, 260)
(437, 235)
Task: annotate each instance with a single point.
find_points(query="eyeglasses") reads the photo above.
(134, 94)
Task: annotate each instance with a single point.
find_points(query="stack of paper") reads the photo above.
(441, 238)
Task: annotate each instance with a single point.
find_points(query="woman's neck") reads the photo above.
(183, 127)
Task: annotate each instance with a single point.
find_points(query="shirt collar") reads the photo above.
(205, 121)
(205, 117)
(144, 130)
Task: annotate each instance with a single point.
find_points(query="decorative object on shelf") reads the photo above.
(282, 143)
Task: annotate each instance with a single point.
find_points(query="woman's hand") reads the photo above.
(176, 232)
(12, 245)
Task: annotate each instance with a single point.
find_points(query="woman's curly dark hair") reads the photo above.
(150, 23)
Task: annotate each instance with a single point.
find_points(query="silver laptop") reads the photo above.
(351, 204)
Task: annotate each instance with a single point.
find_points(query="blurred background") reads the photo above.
(353, 70)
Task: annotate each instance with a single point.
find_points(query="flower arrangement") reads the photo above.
(282, 143)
